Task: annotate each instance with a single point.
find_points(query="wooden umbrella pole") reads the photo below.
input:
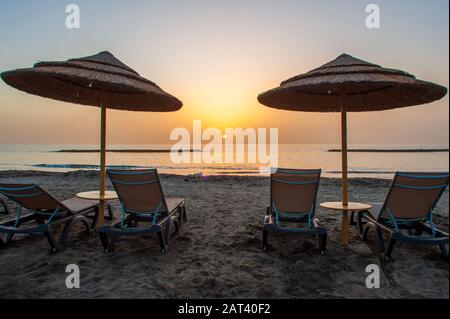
(101, 217)
(344, 150)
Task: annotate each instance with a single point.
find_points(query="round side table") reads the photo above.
(346, 209)
(102, 199)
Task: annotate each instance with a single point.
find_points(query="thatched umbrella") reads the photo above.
(98, 80)
(347, 84)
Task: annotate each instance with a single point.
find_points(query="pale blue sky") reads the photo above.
(217, 56)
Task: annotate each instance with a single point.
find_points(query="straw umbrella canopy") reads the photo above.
(99, 80)
(348, 84)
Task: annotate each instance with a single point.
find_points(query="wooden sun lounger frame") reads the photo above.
(315, 231)
(367, 222)
(163, 228)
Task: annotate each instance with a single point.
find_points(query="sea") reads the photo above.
(376, 161)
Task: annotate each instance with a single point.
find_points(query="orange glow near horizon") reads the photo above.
(217, 57)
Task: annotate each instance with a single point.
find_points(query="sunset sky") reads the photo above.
(217, 56)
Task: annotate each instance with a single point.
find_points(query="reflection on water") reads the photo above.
(383, 165)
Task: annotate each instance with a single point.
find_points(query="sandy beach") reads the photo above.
(218, 253)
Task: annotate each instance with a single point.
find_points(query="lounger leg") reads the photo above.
(185, 216)
(167, 230)
(177, 226)
(378, 234)
(352, 219)
(182, 216)
(105, 242)
(173, 222)
(162, 242)
(9, 238)
(265, 239)
(444, 251)
(323, 244)
(390, 248)
(110, 212)
(360, 222)
(65, 232)
(112, 242)
(50, 240)
(95, 219)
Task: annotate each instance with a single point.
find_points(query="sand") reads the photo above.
(218, 253)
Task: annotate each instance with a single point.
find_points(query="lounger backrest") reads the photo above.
(293, 190)
(138, 190)
(414, 195)
(30, 196)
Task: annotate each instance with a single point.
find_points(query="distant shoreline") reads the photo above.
(434, 150)
(14, 174)
(94, 169)
(126, 151)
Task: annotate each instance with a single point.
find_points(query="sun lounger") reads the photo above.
(145, 210)
(293, 196)
(45, 212)
(407, 213)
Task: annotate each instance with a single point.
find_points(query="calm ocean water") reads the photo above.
(381, 165)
